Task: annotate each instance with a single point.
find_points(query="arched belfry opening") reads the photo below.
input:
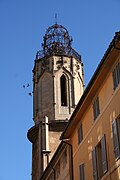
(63, 85)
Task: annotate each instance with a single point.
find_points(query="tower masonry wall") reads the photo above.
(45, 96)
(47, 74)
(58, 83)
(53, 141)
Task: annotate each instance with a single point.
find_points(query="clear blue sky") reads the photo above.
(23, 23)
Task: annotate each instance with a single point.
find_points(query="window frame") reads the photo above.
(64, 90)
(99, 159)
(80, 133)
(116, 137)
(82, 171)
(116, 76)
(96, 108)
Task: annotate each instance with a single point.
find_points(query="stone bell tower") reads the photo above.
(57, 87)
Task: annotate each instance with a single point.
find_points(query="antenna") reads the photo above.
(55, 18)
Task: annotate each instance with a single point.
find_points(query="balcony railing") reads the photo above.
(41, 53)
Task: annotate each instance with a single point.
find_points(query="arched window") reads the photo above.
(63, 84)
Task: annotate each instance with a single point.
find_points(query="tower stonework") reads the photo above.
(58, 83)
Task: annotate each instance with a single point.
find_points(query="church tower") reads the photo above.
(57, 87)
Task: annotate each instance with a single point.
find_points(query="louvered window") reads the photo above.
(99, 159)
(116, 137)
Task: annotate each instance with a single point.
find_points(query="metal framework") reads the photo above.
(57, 41)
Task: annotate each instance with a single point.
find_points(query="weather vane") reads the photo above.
(55, 18)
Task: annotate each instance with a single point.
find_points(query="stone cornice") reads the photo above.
(33, 133)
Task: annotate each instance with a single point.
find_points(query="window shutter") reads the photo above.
(94, 162)
(82, 174)
(116, 139)
(104, 154)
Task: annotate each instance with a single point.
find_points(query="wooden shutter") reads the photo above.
(116, 139)
(94, 163)
(82, 174)
(104, 154)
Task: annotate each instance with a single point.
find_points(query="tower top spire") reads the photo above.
(55, 18)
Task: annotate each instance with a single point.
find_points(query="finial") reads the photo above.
(55, 18)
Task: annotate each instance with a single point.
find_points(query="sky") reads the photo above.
(92, 25)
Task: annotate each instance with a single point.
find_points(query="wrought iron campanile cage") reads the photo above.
(57, 41)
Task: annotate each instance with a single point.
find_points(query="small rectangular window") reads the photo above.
(82, 173)
(96, 109)
(80, 133)
(116, 76)
(116, 137)
(99, 159)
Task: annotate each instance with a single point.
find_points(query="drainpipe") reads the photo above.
(71, 152)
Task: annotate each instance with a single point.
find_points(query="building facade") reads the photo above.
(58, 83)
(94, 127)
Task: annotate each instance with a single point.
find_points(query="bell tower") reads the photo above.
(58, 83)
